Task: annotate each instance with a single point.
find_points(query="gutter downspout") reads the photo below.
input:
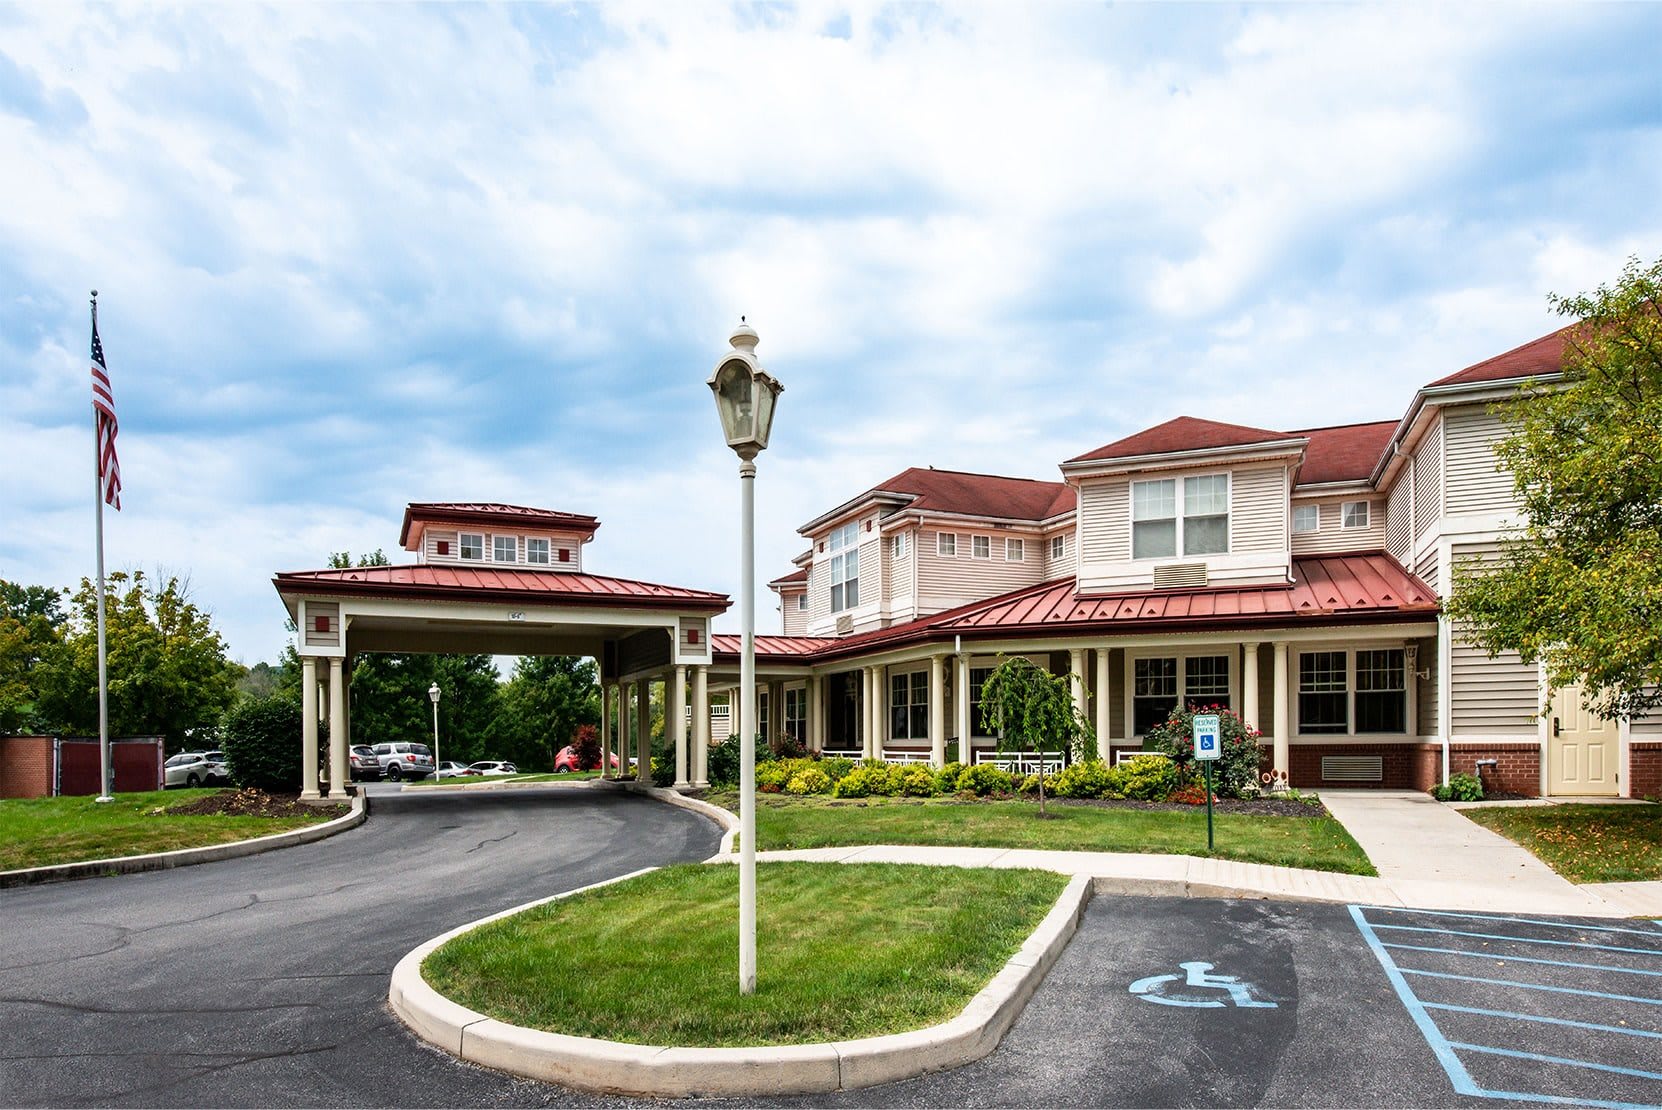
(1445, 666)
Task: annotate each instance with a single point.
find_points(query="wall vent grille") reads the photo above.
(845, 624)
(1353, 768)
(1174, 576)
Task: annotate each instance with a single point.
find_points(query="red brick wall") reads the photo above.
(1305, 770)
(25, 766)
(1415, 766)
(1517, 772)
(1644, 769)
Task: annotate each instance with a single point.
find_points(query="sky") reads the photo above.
(355, 256)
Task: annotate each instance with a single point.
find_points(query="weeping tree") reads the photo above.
(1030, 709)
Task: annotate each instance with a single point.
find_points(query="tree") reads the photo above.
(543, 704)
(31, 641)
(390, 702)
(261, 749)
(1580, 589)
(1030, 709)
(168, 673)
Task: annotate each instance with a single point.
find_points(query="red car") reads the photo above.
(567, 761)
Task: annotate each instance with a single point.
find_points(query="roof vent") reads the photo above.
(1174, 576)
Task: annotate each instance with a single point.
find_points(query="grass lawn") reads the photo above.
(843, 950)
(35, 832)
(1315, 842)
(1584, 843)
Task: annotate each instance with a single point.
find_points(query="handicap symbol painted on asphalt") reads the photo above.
(1153, 988)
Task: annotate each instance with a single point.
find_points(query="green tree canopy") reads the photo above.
(543, 704)
(390, 702)
(1581, 587)
(31, 641)
(1030, 709)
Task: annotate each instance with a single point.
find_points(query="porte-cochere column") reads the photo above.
(701, 727)
(308, 728)
(643, 733)
(677, 714)
(339, 776)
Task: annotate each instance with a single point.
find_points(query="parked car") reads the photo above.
(450, 769)
(363, 764)
(567, 760)
(195, 769)
(400, 760)
(492, 767)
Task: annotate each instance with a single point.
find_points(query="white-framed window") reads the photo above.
(1323, 692)
(472, 545)
(1355, 514)
(1058, 546)
(909, 706)
(1156, 682)
(897, 545)
(845, 567)
(802, 602)
(1168, 516)
(977, 679)
(796, 713)
(504, 549)
(946, 544)
(536, 551)
(1353, 690)
(981, 547)
(1015, 550)
(1307, 518)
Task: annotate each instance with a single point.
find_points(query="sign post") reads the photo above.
(1207, 747)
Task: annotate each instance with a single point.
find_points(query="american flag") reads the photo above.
(103, 403)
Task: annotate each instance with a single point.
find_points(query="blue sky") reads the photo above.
(355, 256)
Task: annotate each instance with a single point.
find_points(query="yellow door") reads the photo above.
(1581, 748)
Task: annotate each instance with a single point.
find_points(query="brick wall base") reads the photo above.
(1415, 766)
(1644, 769)
(1517, 767)
(26, 766)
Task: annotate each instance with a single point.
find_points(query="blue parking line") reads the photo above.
(1514, 920)
(1523, 959)
(1622, 1030)
(1518, 1054)
(1522, 940)
(1457, 1073)
(1533, 986)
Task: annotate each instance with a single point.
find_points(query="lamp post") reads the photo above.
(745, 397)
(433, 693)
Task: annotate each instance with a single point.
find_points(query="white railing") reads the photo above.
(1126, 755)
(906, 757)
(1026, 763)
(844, 753)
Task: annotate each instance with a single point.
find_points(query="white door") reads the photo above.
(1581, 748)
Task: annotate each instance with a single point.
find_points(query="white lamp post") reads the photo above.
(745, 398)
(433, 693)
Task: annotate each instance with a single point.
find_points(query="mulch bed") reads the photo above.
(252, 803)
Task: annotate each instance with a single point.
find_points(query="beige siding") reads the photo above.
(1426, 688)
(1068, 562)
(1491, 697)
(1648, 727)
(328, 614)
(695, 639)
(1476, 482)
(1333, 535)
(1428, 480)
(900, 575)
(1105, 520)
(430, 546)
(557, 542)
(1399, 529)
(794, 621)
(1427, 568)
(1258, 510)
(819, 587)
(948, 580)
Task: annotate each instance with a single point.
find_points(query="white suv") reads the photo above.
(195, 769)
(404, 761)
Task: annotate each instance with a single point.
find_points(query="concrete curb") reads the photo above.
(655, 1071)
(188, 857)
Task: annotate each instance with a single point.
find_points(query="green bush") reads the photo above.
(724, 760)
(1084, 778)
(916, 781)
(1030, 784)
(1459, 788)
(262, 743)
(1149, 778)
(663, 770)
(870, 779)
(986, 778)
(1235, 771)
(775, 772)
(836, 768)
(809, 780)
(946, 779)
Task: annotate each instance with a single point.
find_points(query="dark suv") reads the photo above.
(400, 760)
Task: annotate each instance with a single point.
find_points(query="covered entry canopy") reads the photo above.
(496, 579)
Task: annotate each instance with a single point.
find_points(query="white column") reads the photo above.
(1104, 743)
(937, 711)
(308, 728)
(961, 702)
(643, 730)
(816, 727)
(605, 730)
(701, 727)
(1283, 722)
(1249, 684)
(880, 710)
(1076, 680)
(678, 714)
(339, 776)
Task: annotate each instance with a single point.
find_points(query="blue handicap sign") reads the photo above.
(1174, 990)
(1207, 731)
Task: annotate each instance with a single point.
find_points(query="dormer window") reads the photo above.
(1015, 551)
(946, 544)
(1058, 546)
(1192, 515)
(1306, 518)
(981, 547)
(1355, 514)
(473, 545)
(536, 551)
(504, 549)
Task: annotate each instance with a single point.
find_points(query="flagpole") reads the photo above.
(105, 779)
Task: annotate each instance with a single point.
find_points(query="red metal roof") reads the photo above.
(970, 494)
(490, 512)
(428, 580)
(794, 578)
(1184, 433)
(1344, 454)
(1335, 589)
(1535, 359)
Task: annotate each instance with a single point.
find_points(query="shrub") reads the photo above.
(836, 768)
(262, 743)
(1459, 788)
(870, 779)
(946, 779)
(663, 770)
(916, 781)
(775, 772)
(809, 780)
(1235, 771)
(986, 778)
(585, 745)
(1149, 778)
(1190, 794)
(724, 760)
(786, 746)
(1085, 778)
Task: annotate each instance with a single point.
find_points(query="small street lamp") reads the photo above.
(745, 398)
(433, 693)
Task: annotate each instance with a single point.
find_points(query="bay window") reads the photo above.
(845, 567)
